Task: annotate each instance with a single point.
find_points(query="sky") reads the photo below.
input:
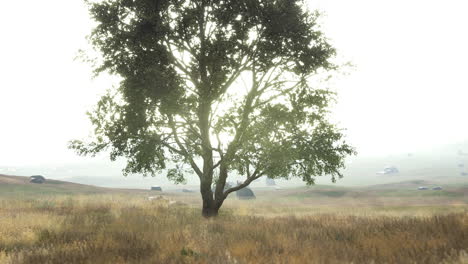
(407, 91)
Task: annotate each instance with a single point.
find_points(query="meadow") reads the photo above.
(123, 226)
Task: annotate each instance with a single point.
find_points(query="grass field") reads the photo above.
(83, 224)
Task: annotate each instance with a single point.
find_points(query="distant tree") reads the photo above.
(218, 87)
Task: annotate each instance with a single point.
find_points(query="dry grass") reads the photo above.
(126, 229)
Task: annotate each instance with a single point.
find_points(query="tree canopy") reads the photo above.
(217, 86)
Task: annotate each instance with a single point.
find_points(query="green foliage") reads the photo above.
(188, 252)
(182, 64)
(176, 175)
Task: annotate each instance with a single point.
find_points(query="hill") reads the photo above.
(404, 192)
(20, 185)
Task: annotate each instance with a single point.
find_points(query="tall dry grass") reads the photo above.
(123, 229)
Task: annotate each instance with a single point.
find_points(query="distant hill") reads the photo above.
(22, 180)
(14, 185)
(413, 184)
(20, 187)
(442, 165)
(402, 189)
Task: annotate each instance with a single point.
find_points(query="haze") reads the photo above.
(406, 93)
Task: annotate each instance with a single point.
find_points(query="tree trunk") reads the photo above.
(210, 207)
(209, 211)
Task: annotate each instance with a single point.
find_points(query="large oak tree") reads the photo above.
(217, 86)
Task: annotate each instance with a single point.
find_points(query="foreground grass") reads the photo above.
(124, 229)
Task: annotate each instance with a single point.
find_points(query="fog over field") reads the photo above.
(402, 104)
(441, 166)
(406, 92)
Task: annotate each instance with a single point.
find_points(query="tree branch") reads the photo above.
(257, 103)
(180, 64)
(246, 183)
(183, 151)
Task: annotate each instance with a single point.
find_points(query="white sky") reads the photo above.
(409, 89)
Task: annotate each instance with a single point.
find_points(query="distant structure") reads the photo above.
(245, 194)
(438, 188)
(187, 190)
(37, 179)
(270, 182)
(461, 165)
(462, 153)
(464, 173)
(388, 170)
(422, 188)
(156, 188)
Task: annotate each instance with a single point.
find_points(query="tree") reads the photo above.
(217, 87)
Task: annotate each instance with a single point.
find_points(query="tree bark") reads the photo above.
(219, 191)
(210, 205)
(210, 210)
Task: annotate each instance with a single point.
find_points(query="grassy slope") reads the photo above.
(11, 185)
(60, 222)
(399, 189)
(17, 185)
(116, 228)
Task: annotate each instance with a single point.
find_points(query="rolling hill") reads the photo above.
(20, 185)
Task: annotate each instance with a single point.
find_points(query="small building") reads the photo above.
(156, 188)
(438, 188)
(423, 188)
(388, 170)
(245, 194)
(37, 179)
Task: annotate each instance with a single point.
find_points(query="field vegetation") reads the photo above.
(121, 226)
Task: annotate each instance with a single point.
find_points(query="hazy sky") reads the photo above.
(408, 90)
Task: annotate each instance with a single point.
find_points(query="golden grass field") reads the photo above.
(123, 226)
